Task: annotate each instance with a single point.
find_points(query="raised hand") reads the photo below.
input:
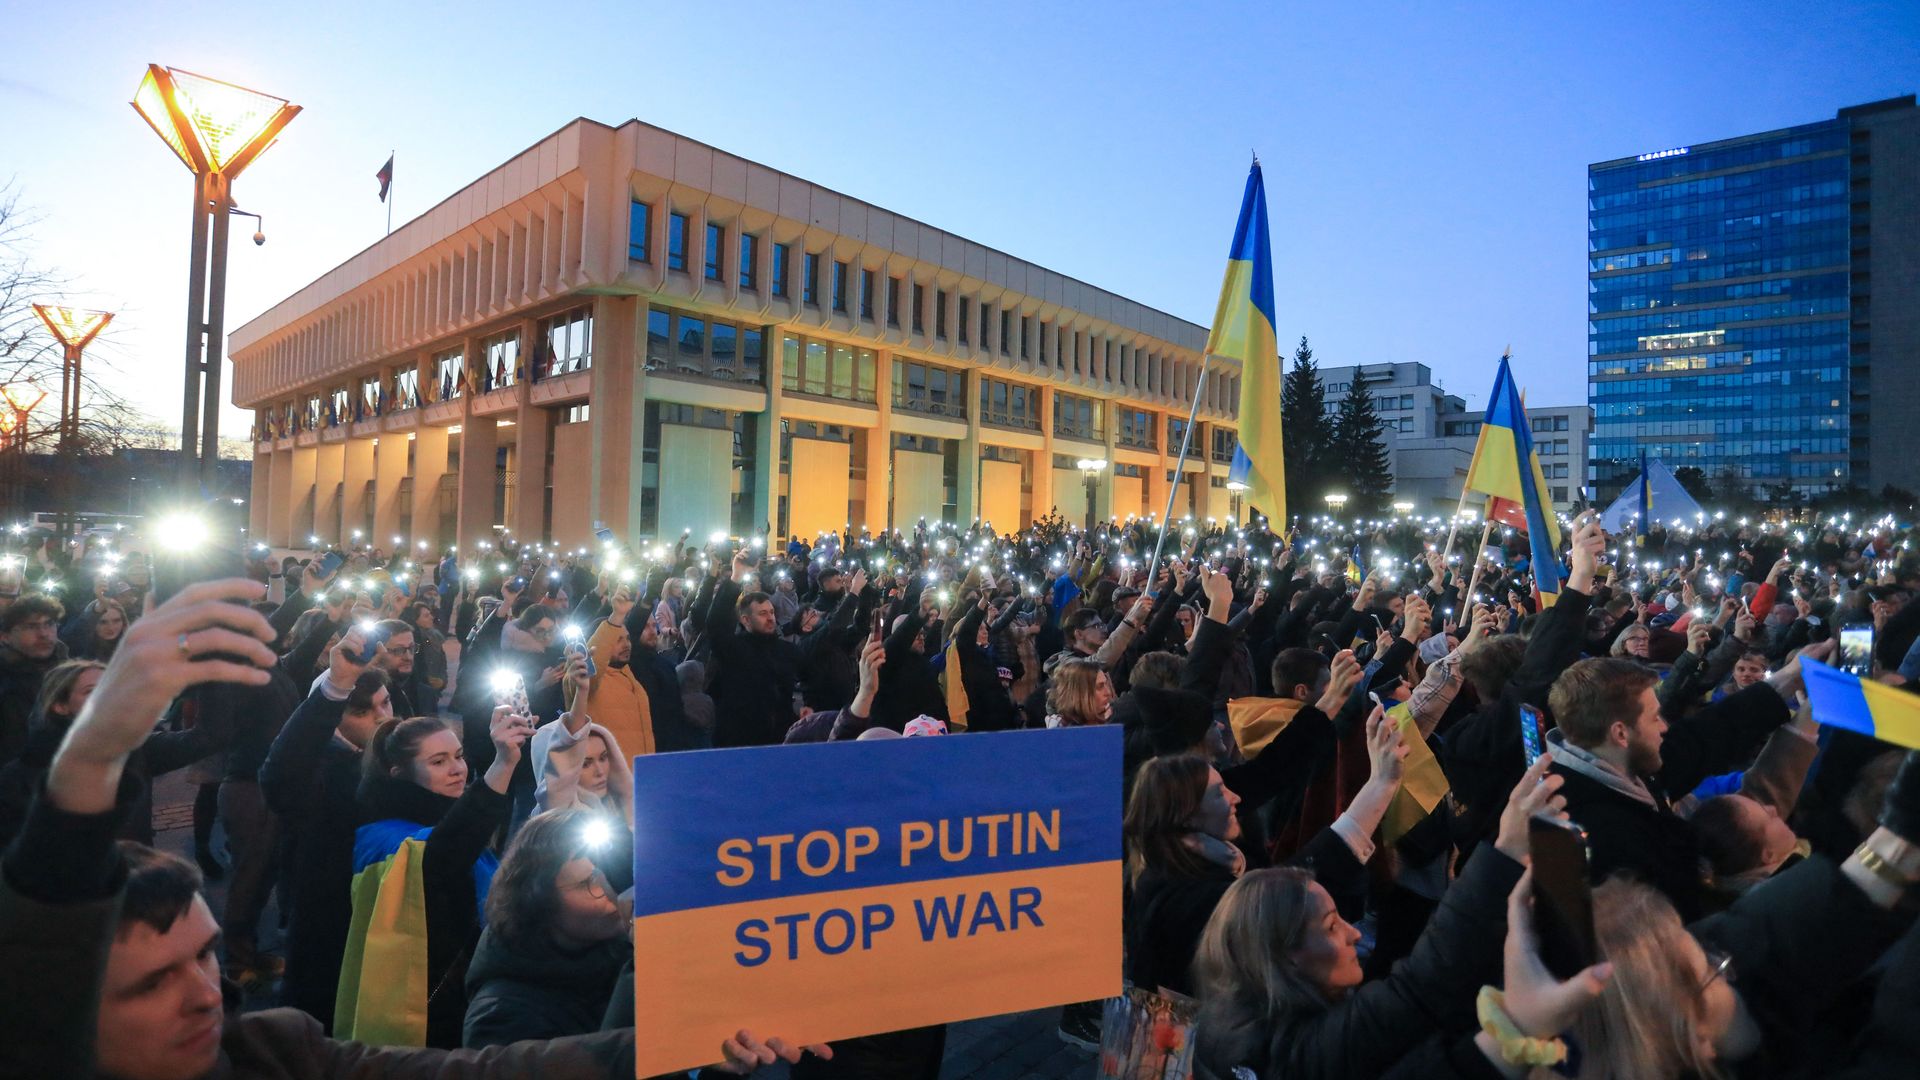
(1535, 794)
(1342, 676)
(203, 634)
(1385, 748)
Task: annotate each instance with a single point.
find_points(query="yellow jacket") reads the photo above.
(615, 699)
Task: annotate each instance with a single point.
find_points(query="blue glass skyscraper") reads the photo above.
(1729, 325)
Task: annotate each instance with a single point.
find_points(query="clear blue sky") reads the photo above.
(1426, 164)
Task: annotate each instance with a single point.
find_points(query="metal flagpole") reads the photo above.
(1173, 489)
(1466, 601)
(1454, 530)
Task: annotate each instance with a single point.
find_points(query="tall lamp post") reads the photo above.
(1090, 470)
(21, 400)
(216, 129)
(1236, 491)
(74, 329)
(1336, 503)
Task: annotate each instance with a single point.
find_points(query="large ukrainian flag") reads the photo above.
(1243, 329)
(1843, 699)
(1506, 467)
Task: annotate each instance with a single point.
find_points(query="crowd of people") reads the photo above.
(1343, 742)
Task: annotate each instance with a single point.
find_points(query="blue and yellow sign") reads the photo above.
(826, 891)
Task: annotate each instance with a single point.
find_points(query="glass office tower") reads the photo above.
(1718, 312)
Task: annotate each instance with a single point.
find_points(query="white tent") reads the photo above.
(1670, 502)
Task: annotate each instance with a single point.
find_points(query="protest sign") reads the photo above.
(826, 891)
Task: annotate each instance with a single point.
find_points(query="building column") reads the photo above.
(766, 447)
(1043, 458)
(479, 443)
(533, 433)
(298, 523)
(355, 473)
(389, 468)
(616, 412)
(280, 502)
(1103, 491)
(879, 463)
(330, 460)
(429, 467)
(967, 488)
(1157, 479)
(260, 499)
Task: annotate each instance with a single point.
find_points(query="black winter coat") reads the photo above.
(310, 779)
(537, 990)
(753, 690)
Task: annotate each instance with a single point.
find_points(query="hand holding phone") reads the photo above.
(1563, 897)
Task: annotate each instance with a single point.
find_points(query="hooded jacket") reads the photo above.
(615, 698)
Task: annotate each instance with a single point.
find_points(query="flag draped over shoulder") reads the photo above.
(955, 688)
(382, 998)
(1506, 467)
(1243, 329)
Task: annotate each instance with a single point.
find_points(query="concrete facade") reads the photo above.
(1430, 434)
(629, 326)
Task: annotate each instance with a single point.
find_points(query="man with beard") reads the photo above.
(1625, 767)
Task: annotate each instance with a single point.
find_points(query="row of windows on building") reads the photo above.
(876, 298)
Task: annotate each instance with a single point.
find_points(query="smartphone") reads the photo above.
(1856, 649)
(879, 626)
(576, 644)
(330, 563)
(371, 638)
(605, 536)
(518, 584)
(1533, 739)
(510, 689)
(1562, 896)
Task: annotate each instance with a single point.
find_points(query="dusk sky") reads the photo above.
(1425, 163)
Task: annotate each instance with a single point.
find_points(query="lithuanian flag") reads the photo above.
(1243, 330)
(1506, 467)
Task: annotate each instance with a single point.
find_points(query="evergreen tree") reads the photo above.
(1360, 455)
(1304, 432)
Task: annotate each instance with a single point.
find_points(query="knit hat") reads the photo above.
(1174, 721)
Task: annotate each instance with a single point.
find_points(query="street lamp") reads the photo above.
(1403, 508)
(74, 329)
(1336, 502)
(216, 129)
(1235, 489)
(20, 399)
(1090, 469)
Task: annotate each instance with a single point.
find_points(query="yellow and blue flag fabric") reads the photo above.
(1844, 700)
(1505, 466)
(1424, 783)
(382, 996)
(381, 999)
(1243, 330)
(954, 686)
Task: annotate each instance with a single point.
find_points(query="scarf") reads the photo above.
(1598, 770)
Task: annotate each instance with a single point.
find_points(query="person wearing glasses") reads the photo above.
(556, 937)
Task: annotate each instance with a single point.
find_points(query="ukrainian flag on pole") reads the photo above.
(1243, 330)
(1506, 467)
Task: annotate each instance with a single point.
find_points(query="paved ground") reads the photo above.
(1017, 1046)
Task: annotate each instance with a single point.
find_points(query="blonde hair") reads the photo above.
(1644, 1024)
(1071, 695)
(1244, 971)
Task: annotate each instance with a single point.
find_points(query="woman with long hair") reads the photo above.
(63, 692)
(1180, 831)
(556, 936)
(1080, 695)
(415, 786)
(1280, 984)
(101, 626)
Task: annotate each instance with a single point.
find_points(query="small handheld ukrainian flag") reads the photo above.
(1243, 329)
(1506, 467)
(1843, 699)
